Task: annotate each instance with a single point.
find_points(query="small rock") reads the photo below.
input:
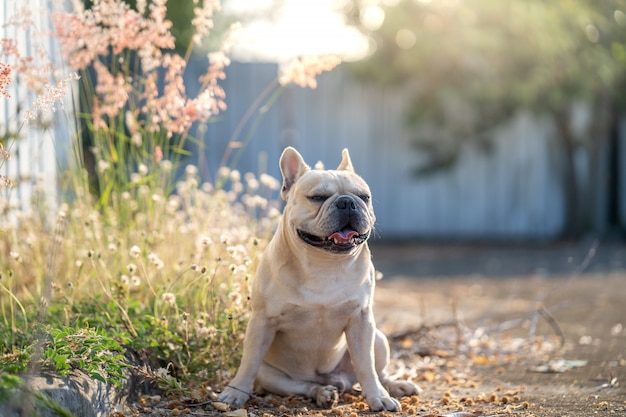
(219, 406)
(241, 412)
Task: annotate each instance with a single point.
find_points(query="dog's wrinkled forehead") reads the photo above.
(331, 182)
(298, 175)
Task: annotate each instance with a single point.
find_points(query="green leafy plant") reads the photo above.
(88, 349)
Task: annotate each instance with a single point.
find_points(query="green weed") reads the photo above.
(88, 349)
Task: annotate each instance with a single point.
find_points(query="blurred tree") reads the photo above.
(470, 65)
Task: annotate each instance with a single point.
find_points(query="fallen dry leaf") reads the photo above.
(240, 412)
(219, 406)
(558, 366)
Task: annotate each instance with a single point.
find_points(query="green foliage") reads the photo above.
(87, 349)
(8, 383)
(16, 358)
(468, 66)
(173, 289)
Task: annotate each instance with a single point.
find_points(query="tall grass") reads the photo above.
(145, 260)
(171, 279)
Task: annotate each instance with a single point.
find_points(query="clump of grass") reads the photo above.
(170, 281)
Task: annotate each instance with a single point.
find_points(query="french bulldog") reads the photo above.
(312, 330)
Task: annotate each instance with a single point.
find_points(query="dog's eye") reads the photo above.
(366, 198)
(318, 198)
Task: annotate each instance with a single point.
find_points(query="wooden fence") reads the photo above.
(38, 148)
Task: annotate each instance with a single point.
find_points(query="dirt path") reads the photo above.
(578, 323)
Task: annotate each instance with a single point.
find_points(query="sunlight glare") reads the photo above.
(298, 27)
(372, 17)
(405, 38)
(620, 17)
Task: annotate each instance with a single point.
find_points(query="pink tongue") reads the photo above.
(343, 236)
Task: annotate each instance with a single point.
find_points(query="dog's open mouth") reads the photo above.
(343, 240)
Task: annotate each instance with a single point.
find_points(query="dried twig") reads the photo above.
(545, 313)
(421, 330)
(540, 309)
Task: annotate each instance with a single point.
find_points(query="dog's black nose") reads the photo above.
(346, 203)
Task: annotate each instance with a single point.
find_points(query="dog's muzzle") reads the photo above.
(346, 238)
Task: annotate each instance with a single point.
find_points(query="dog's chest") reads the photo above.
(317, 317)
(309, 338)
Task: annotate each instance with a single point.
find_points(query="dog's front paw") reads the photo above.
(384, 403)
(326, 396)
(341, 381)
(400, 389)
(233, 396)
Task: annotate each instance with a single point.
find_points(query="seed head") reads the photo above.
(124, 279)
(169, 298)
(135, 251)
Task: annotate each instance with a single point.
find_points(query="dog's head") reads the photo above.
(329, 210)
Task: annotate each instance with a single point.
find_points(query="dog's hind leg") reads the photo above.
(272, 380)
(397, 389)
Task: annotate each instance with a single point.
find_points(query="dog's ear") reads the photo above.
(292, 166)
(346, 163)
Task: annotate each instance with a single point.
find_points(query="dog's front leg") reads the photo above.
(259, 336)
(360, 335)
